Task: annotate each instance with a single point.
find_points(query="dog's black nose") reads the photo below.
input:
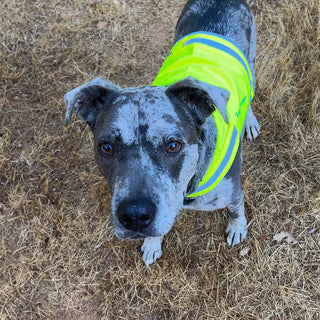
(136, 214)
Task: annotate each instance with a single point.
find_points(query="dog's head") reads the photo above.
(146, 146)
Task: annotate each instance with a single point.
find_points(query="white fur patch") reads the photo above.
(159, 128)
(127, 122)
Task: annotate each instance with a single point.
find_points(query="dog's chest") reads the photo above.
(218, 198)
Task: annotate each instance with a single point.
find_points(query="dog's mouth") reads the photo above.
(133, 235)
(136, 237)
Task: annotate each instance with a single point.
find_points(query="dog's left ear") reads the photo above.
(200, 97)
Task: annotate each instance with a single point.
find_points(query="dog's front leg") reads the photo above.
(151, 249)
(237, 224)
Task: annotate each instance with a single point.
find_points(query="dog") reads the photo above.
(154, 144)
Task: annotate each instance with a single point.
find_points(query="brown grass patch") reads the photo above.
(59, 258)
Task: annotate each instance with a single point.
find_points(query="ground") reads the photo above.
(59, 258)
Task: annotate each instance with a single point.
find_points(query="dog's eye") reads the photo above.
(106, 148)
(173, 146)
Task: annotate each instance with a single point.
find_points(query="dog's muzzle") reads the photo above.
(136, 214)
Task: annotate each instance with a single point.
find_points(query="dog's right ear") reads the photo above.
(88, 99)
(200, 98)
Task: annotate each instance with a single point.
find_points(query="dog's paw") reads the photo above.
(252, 127)
(236, 231)
(151, 250)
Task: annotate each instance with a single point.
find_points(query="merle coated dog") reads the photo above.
(153, 144)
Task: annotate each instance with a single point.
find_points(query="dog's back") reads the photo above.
(229, 18)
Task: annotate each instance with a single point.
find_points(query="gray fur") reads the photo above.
(141, 123)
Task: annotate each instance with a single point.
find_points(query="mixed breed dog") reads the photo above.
(177, 143)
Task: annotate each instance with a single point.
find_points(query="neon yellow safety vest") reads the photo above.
(213, 59)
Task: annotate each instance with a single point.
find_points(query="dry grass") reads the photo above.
(59, 258)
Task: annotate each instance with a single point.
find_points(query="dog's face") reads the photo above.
(146, 146)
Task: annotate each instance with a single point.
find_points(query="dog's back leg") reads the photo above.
(251, 126)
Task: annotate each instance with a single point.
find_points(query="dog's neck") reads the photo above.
(206, 146)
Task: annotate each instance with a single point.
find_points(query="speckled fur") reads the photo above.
(138, 122)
